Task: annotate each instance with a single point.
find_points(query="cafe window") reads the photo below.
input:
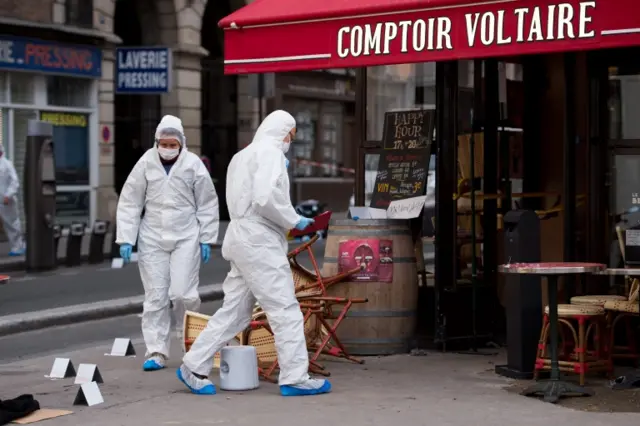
(396, 88)
(318, 147)
(624, 103)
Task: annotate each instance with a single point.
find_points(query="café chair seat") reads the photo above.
(596, 300)
(577, 310)
(581, 328)
(625, 306)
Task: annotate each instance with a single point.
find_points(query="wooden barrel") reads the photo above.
(386, 324)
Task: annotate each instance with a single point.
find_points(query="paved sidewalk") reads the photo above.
(434, 390)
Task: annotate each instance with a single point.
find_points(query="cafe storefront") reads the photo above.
(535, 105)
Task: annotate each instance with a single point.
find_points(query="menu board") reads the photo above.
(411, 129)
(401, 174)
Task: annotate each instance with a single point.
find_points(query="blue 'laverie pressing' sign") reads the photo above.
(143, 70)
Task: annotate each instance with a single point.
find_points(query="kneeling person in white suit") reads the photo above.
(255, 244)
(179, 225)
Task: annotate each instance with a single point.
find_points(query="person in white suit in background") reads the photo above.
(180, 223)
(9, 211)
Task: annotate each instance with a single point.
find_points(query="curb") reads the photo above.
(38, 320)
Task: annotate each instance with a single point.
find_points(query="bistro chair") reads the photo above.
(260, 335)
(323, 315)
(620, 310)
(576, 356)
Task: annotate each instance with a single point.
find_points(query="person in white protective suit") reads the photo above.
(179, 224)
(9, 187)
(255, 245)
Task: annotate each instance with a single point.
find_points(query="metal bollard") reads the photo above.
(57, 232)
(115, 248)
(96, 244)
(74, 244)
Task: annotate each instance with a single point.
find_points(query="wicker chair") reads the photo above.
(576, 356)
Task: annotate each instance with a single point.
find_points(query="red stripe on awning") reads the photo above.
(289, 35)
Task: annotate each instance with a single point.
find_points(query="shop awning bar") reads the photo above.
(288, 35)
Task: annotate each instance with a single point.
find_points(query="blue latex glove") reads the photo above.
(125, 252)
(286, 163)
(205, 252)
(303, 223)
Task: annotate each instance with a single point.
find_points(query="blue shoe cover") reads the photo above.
(207, 390)
(151, 365)
(287, 390)
(16, 253)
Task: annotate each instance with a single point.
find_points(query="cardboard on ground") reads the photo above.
(399, 209)
(41, 414)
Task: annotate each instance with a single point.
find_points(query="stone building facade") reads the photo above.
(170, 23)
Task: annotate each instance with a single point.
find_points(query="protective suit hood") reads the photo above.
(274, 128)
(171, 127)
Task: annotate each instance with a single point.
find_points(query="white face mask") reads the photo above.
(286, 146)
(168, 154)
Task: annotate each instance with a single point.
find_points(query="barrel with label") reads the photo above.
(385, 324)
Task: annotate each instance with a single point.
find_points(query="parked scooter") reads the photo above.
(311, 209)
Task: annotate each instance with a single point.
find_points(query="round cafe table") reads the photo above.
(554, 388)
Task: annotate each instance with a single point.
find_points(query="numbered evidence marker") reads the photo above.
(117, 263)
(88, 373)
(88, 394)
(122, 347)
(62, 368)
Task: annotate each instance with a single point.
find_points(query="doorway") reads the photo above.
(135, 116)
(219, 111)
(616, 73)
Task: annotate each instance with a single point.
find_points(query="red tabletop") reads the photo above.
(551, 268)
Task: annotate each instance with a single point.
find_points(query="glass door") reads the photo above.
(622, 129)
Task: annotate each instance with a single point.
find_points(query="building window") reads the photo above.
(23, 88)
(68, 104)
(4, 86)
(79, 13)
(68, 91)
(71, 146)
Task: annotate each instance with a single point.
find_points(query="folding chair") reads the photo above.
(312, 287)
(260, 335)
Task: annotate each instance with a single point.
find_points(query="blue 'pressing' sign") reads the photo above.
(44, 56)
(143, 70)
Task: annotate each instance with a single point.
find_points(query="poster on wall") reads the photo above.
(71, 146)
(373, 256)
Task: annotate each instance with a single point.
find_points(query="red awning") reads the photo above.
(288, 35)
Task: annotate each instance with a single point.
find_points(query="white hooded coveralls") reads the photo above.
(255, 245)
(9, 187)
(180, 213)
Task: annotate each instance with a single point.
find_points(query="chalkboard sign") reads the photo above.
(408, 129)
(401, 174)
